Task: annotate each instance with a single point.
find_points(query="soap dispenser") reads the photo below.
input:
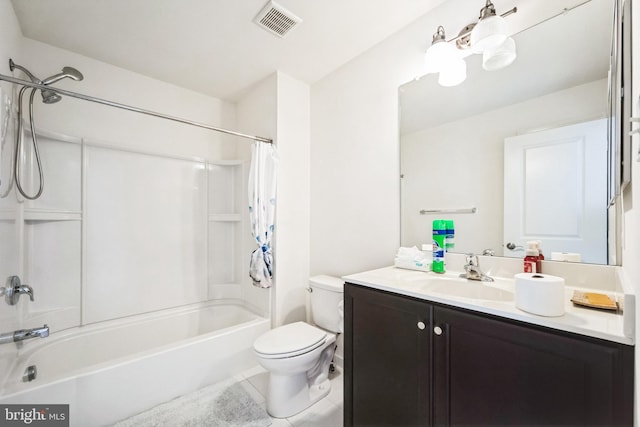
(532, 263)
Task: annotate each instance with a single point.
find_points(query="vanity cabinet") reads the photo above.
(387, 359)
(410, 362)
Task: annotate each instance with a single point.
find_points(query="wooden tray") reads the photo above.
(594, 300)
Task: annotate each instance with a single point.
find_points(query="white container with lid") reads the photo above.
(541, 294)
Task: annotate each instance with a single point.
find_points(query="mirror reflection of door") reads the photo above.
(555, 190)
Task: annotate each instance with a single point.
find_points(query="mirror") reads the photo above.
(456, 141)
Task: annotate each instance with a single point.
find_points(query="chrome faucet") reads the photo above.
(14, 289)
(24, 334)
(472, 270)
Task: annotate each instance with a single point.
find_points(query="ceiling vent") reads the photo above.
(276, 19)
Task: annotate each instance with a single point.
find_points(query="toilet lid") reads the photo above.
(290, 340)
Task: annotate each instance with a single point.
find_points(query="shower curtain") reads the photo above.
(262, 205)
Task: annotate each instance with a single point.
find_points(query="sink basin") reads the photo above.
(473, 290)
(470, 289)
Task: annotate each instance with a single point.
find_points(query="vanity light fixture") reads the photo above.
(488, 37)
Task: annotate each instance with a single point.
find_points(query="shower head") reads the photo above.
(69, 72)
(49, 96)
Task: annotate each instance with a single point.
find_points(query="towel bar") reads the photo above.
(461, 211)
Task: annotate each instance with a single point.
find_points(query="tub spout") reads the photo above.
(24, 334)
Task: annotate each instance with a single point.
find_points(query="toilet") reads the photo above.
(298, 355)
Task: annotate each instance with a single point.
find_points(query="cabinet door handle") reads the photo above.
(421, 325)
(437, 330)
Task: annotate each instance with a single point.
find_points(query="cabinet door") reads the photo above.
(387, 359)
(498, 373)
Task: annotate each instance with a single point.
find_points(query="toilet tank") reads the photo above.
(326, 302)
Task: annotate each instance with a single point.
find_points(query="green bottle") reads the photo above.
(439, 237)
(449, 244)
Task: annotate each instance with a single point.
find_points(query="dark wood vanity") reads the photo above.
(412, 362)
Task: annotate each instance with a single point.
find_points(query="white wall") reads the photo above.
(124, 128)
(293, 206)
(11, 39)
(278, 107)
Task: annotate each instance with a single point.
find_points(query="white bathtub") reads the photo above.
(112, 370)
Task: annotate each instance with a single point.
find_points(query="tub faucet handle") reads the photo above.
(13, 289)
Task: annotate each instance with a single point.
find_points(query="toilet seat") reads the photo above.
(289, 340)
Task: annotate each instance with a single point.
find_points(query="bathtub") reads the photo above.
(112, 370)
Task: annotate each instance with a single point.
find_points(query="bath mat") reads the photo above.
(220, 405)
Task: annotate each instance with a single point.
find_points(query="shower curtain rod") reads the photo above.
(14, 80)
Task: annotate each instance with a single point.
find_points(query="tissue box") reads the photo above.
(412, 265)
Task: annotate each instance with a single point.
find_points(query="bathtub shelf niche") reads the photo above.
(225, 179)
(227, 183)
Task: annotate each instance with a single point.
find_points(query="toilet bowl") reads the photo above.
(298, 355)
(290, 353)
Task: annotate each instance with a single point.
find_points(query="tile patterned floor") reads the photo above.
(328, 412)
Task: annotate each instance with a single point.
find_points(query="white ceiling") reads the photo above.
(213, 46)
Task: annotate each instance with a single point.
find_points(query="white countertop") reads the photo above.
(602, 324)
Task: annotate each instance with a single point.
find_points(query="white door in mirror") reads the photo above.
(569, 217)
